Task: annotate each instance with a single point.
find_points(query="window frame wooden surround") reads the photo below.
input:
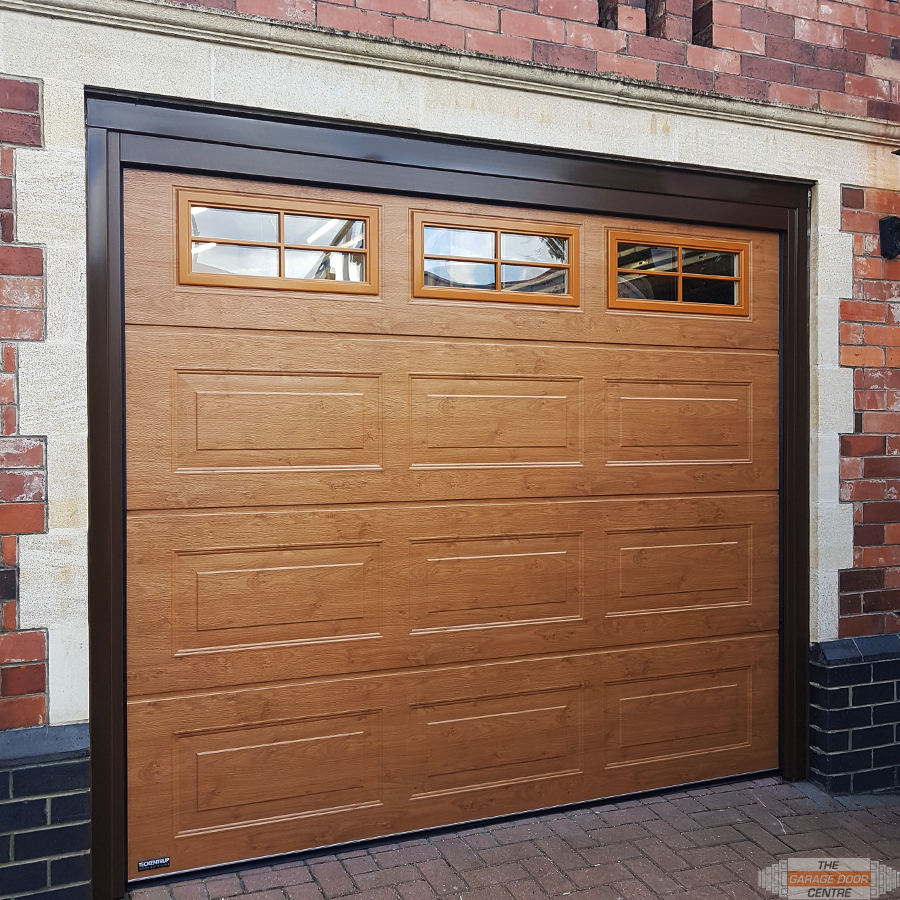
(498, 225)
(678, 243)
(187, 198)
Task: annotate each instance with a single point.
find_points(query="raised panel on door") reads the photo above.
(367, 419)
(241, 774)
(234, 598)
(154, 297)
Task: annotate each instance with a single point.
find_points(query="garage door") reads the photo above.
(436, 511)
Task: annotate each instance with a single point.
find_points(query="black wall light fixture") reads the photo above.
(889, 228)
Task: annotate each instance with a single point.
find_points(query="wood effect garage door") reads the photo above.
(402, 555)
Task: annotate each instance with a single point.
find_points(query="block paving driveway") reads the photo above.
(702, 843)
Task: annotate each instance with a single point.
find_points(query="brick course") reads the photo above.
(870, 458)
(44, 830)
(23, 494)
(841, 57)
(855, 712)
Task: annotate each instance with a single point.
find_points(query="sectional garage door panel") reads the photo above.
(155, 297)
(399, 555)
(234, 598)
(267, 770)
(248, 418)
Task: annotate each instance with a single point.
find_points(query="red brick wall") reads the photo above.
(820, 54)
(23, 654)
(870, 458)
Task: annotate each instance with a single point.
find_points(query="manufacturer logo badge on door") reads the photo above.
(161, 862)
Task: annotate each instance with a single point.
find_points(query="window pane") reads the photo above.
(320, 231)
(705, 290)
(649, 287)
(534, 279)
(534, 248)
(234, 224)
(640, 256)
(446, 273)
(318, 266)
(233, 259)
(458, 242)
(709, 262)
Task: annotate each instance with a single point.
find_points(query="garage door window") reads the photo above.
(243, 241)
(655, 273)
(474, 258)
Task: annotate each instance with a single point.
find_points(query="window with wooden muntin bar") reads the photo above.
(665, 273)
(495, 260)
(244, 240)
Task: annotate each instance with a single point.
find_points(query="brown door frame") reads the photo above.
(146, 132)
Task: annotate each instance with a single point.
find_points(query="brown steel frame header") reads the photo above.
(144, 132)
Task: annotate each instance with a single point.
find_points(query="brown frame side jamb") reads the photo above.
(146, 132)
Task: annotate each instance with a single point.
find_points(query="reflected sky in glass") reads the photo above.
(233, 259)
(458, 242)
(320, 231)
(234, 224)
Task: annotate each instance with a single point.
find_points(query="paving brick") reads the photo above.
(737, 890)
(223, 886)
(809, 841)
(526, 890)
(478, 878)
(333, 880)
(368, 881)
(571, 833)
(628, 816)
(309, 891)
(633, 890)
(357, 864)
(755, 854)
(494, 892)
(651, 874)
(478, 840)
(405, 855)
(706, 837)
(561, 854)
(621, 833)
(378, 894)
(720, 817)
(457, 853)
(493, 856)
(611, 853)
(190, 890)
(442, 878)
(674, 817)
(416, 890)
(669, 836)
(548, 876)
(157, 892)
(696, 878)
(599, 874)
(662, 855)
(688, 805)
(528, 831)
(263, 879)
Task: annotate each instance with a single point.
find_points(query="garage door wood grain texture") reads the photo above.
(396, 563)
